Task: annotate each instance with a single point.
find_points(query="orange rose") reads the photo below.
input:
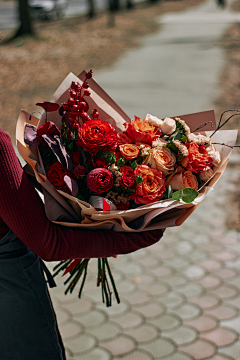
(182, 179)
(129, 151)
(141, 131)
(152, 187)
(198, 158)
(161, 158)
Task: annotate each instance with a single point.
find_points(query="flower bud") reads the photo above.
(168, 126)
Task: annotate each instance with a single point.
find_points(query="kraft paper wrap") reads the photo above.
(64, 209)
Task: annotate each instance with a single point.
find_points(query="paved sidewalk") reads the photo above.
(180, 299)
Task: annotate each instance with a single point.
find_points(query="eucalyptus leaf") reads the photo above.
(178, 135)
(186, 195)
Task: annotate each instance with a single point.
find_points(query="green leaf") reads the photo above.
(187, 195)
(178, 136)
(120, 162)
(134, 165)
(139, 179)
(170, 192)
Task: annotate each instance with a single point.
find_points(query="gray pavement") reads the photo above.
(180, 299)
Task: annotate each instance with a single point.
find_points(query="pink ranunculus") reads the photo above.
(100, 180)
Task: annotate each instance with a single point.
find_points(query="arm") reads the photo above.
(23, 211)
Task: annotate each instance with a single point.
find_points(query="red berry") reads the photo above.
(72, 120)
(85, 117)
(95, 114)
(75, 108)
(74, 85)
(82, 106)
(73, 94)
(65, 106)
(87, 93)
(85, 85)
(75, 126)
(89, 74)
(70, 102)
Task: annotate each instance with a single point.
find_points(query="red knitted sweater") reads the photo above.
(22, 211)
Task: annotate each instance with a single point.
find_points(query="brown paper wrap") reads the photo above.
(64, 209)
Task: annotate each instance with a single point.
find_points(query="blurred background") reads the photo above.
(180, 298)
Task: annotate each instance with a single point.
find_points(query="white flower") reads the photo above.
(199, 139)
(186, 127)
(181, 147)
(168, 126)
(159, 142)
(206, 175)
(214, 154)
(153, 120)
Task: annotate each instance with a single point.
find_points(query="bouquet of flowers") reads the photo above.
(107, 171)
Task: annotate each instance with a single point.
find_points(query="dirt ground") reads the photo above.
(32, 69)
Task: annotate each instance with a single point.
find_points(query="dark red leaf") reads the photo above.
(48, 106)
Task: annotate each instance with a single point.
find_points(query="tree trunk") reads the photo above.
(26, 25)
(129, 4)
(91, 8)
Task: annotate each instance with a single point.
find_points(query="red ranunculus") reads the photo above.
(76, 158)
(100, 180)
(128, 178)
(56, 174)
(97, 135)
(48, 128)
(198, 158)
(79, 171)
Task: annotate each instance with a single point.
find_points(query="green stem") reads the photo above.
(84, 279)
(113, 282)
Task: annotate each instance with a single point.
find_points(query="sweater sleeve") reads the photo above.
(23, 212)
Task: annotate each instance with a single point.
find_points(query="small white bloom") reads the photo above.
(199, 139)
(168, 126)
(214, 154)
(153, 120)
(159, 142)
(186, 127)
(181, 147)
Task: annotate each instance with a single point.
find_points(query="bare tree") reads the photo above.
(26, 24)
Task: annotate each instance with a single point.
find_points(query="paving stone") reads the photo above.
(206, 301)
(220, 357)
(91, 319)
(210, 281)
(194, 272)
(220, 337)
(188, 311)
(115, 309)
(106, 331)
(233, 323)
(211, 264)
(137, 297)
(177, 262)
(225, 255)
(180, 356)
(166, 322)
(150, 261)
(156, 288)
(63, 315)
(71, 329)
(226, 273)
(175, 280)
(199, 350)
(198, 255)
(222, 312)
(135, 355)
(144, 333)
(144, 279)
(225, 291)
(122, 345)
(171, 300)
(132, 269)
(183, 247)
(150, 309)
(233, 351)
(126, 286)
(181, 336)
(202, 323)
(81, 344)
(166, 255)
(95, 354)
(161, 271)
(235, 281)
(128, 320)
(191, 289)
(158, 348)
(79, 306)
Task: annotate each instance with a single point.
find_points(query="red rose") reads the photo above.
(79, 171)
(198, 158)
(56, 174)
(97, 135)
(128, 179)
(100, 163)
(48, 128)
(100, 180)
(76, 158)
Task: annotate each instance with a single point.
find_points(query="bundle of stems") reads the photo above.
(104, 278)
